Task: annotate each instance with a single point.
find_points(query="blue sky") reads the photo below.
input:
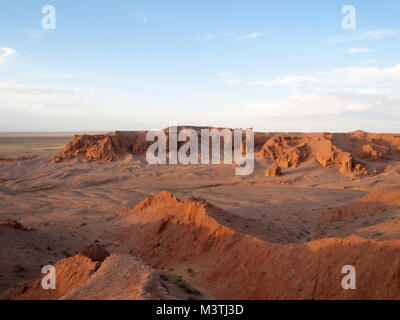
(271, 65)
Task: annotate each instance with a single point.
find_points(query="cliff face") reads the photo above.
(352, 152)
(106, 147)
(290, 152)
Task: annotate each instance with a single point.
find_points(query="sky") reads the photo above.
(288, 65)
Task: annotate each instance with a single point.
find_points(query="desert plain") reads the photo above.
(116, 227)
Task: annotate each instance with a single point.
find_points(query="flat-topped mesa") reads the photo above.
(114, 145)
(106, 147)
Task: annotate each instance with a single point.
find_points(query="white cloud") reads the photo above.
(53, 75)
(6, 52)
(253, 35)
(290, 81)
(70, 113)
(367, 35)
(327, 102)
(44, 89)
(358, 89)
(371, 77)
(231, 35)
(360, 50)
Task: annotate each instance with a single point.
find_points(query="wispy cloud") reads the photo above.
(360, 50)
(367, 35)
(53, 75)
(228, 35)
(253, 35)
(337, 91)
(44, 89)
(372, 77)
(6, 52)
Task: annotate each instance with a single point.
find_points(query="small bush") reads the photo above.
(182, 284)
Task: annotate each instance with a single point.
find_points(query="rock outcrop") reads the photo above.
(106, 147)
(273, 171)
(120, 277)
(70, 273)
(291, 151)
(352, 152)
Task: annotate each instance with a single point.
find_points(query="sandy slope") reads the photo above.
(170, 233)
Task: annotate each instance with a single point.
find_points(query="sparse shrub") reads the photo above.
(179, 282)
